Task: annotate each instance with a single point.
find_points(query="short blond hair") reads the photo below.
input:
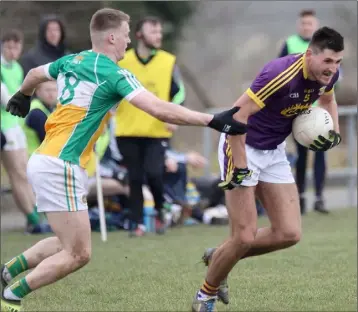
(107, 18)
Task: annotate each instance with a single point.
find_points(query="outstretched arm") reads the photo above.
(168, 112)
(179, 115)
(128, 87)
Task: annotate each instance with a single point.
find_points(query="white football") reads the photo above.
(310, 124)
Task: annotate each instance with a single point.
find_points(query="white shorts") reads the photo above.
(58, 184)
(15, 139)
(269, 166)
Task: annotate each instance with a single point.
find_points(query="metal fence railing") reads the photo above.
(349, 172)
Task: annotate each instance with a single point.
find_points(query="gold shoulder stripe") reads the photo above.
(255, 98)
(300, 60)
(282, 82)
(279, 81)
(329, 92)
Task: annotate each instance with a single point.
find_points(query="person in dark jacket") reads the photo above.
(50, 45)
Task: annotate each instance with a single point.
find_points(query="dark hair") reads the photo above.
(148, 19)
(12, 35)
(107, 18)
(304, 13)
(327, 38)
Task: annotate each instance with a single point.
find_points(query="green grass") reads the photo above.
(162, 273)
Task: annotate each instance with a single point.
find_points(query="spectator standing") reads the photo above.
(141, 138)
(50, 45)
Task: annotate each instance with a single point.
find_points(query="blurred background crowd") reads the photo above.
(199, 54)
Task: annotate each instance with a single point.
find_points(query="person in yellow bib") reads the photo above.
(41, 108)
(142, 139)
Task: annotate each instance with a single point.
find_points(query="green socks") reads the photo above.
(20, 289)
(17, 265)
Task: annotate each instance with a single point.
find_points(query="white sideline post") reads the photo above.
(102, 216)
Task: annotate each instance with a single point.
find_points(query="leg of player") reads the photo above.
(223, 291)
(131, 150)
(243, 217)
(29, 259)
(73, 231)
(14, 162)
(319, 169)
(301, 166)
(282, 205)
(154, 167)
(23, 159)
(280, 198)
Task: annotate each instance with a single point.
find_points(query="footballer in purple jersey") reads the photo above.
(255, 164)
(282, 90)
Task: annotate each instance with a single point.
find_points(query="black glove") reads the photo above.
(224, 122)
(19, 104)
(322, 144)
(235, 178)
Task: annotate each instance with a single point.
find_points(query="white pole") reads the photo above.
(102, 217)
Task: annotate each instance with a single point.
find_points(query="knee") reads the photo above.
(289, 236)
(85, 256)
(244, 237)
(81, 257)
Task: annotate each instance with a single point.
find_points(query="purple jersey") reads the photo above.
(282, 90)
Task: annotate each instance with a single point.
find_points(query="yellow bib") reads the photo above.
(156, 77)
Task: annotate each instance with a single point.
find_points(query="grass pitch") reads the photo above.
(162, 273)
